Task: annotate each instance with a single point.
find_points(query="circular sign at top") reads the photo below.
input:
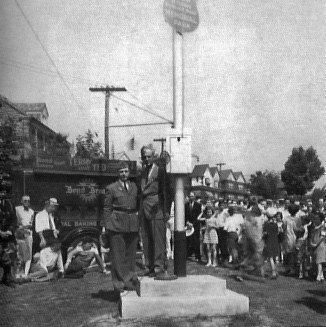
(182, 15)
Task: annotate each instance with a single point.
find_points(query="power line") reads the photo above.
(44, 71)
(48, 72)
(47, 54)
(143, 109)
(136, 98)
(52, 73)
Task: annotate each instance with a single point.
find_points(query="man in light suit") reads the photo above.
(154, 211)
(122, 224)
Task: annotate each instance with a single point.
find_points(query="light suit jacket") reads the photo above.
(155, 200)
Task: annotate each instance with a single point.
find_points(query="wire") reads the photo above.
(48, 55)
(32, 68)
(143, 109)
(23, 65)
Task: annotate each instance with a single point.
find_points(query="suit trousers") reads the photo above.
(154, 241)
(123, 248)
(193, 244)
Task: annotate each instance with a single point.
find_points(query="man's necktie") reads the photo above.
(147, 174)
(125, 184)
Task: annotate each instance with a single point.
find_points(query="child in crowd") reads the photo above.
(301, 247)
(252, 242)
(318, 243)
(210, 236)
(270, 235)
(81, 257)
(232, 226)
(280, 236)
(290, 223)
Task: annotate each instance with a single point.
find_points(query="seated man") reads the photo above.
(48, 263)
(81, 257)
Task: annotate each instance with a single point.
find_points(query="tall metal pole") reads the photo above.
(180, 256)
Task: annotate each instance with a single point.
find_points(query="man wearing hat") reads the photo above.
(24, 235)
(44, 222)
(122, 224)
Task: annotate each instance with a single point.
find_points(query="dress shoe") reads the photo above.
(150, 273)
(8, 283)
(136, 285)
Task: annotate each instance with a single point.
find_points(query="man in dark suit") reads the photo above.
(192, 211)
(154, 210)
(122, 224)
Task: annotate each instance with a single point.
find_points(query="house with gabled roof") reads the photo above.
(201, 175)
(239, 177)
(36, 110)
(220, 184)
(201, 181)
(31, 134)
(215, 176)
(241, 182)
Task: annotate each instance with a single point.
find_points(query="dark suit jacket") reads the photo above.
(155, 200)
(192, 214)
(117, 197)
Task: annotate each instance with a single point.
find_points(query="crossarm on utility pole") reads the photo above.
(107, 90)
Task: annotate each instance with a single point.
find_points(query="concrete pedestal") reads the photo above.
(186, 296)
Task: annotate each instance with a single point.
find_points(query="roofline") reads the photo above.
(40, 124)
(12, 105)
(36, 103)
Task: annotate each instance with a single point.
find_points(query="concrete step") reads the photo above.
(178, 305)
(196, 285)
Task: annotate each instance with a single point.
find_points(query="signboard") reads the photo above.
(182, 15)
(179, 147)
(81, 165)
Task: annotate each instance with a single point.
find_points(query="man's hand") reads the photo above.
(6, 233)
(55, 233)
(3, 234)
(66, 265)
(42, 243)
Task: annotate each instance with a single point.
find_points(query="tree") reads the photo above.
(318, 193)
(59, 145)
(301, 170)
(265, 184)
(87, 147)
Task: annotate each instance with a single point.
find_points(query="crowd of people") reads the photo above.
(249, 235)
(231, 234)
(131, 214)
(23, 260)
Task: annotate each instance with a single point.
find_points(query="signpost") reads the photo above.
(183, 17)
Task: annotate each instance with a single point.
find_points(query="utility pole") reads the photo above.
(220, 164)
(107, 90)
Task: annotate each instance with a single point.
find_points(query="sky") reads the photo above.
(254, 73)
